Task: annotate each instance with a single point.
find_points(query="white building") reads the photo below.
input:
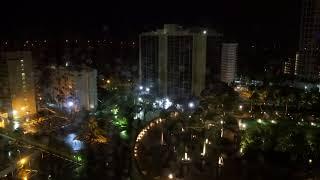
(74, 88)
(229, 56)
(85, 82)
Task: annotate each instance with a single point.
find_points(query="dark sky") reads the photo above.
(238, 19)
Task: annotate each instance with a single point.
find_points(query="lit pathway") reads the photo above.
(44, 148)
(15, 165)
(151, 125)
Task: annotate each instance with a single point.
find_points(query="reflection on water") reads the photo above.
(75, 144)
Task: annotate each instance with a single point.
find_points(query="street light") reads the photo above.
(70, 103)
(14, 112)
(191, 105)
(22, 161)
(147, 89)
(141, 87)
(220, 162)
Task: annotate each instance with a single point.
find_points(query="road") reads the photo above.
(15, 166)
(44, 148)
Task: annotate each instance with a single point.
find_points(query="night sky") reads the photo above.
(259, 20)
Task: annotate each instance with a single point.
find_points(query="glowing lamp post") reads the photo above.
(191, 105)
(162, 141)
(70, 104)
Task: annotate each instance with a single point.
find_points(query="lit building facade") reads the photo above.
(229, 57)
(308, 58)
(173, 60)
(20, 83)
(73, 88)
(5, 97)
(289, 66)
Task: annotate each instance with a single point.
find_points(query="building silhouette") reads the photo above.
(307, 59)
(174, 61)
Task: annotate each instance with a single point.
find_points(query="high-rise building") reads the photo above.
(229, 56)
(173, 60)
(19, 83)
(5, 97)
(288, 66)
(308, 58)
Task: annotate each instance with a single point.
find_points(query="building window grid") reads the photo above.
(179, 65)
(149, 59)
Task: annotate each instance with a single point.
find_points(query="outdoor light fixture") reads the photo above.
(14, 112)
(147, 89)
(204, 31)
(140, 87)
(191, 105)
(220, 162)
(70, 104)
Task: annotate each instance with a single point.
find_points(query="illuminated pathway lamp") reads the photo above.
(170, 176)
(191, 105)
(70, 104)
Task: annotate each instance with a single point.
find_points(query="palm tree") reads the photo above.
(254, 99)
(92, 133)
(287, 96)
